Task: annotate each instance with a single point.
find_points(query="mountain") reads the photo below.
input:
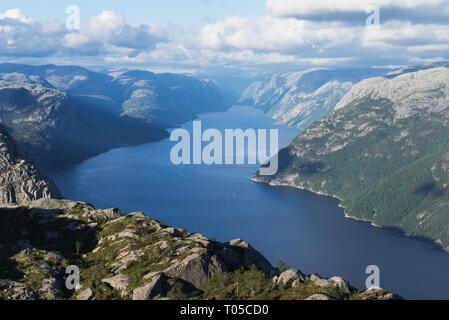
(55, 131)
(384, 151)
(300, 98)
(124, 257)
(64, 115)
(20, 179)
(408, 69)
(166, 99)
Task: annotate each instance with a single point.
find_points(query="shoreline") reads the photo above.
(433, 243)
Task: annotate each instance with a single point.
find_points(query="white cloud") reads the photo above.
(273, 34)
(105, 33)
(110, 28)
(15, 14)
(315, 7)
(405, 34)
(243, 42)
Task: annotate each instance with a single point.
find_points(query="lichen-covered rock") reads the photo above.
(13, 290)
(135, 257)
(85, 295)
(375, 293)
(318, 296)
(151, 290)
(119, 282)
(250, 256)
(51, 290)
(336, 282)
(292, 278)
(20, 179)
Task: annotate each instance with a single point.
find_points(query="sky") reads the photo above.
(254, 36)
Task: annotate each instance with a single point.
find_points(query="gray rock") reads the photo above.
(322, 297)
(85, 295)
(339, 282)
(119, 282)
(250, 256)
(137, 214)
(195, 269)
(336, 282)
(292, 278)
(19, 291)
(151, 290)
(21, 181)
(51, 290)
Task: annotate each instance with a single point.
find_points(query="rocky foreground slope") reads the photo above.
(20, 180)
(134, 257)
(384, 151)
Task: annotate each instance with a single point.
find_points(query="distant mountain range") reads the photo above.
(299, 98)
(384, 151)
(63, 115)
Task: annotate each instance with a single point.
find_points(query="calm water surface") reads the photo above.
(305, 230)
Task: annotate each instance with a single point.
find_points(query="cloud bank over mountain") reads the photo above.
(295, 33)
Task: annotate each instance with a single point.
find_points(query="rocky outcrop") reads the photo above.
(85, 295)
(249, 256)
(291, 278)
(151, 290)
(51, 289)
(318, 296)
(119, 282)
(132, 257)
(20, 180)
(336, 282)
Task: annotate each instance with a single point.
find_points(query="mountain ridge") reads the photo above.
(383, 152)
(64, 115)
(299, 98)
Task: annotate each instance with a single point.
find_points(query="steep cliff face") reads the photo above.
(20, 180)
(300, 98)
(384, 151)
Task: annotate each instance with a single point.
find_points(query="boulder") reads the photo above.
(339, 282)
(322, 297)
(292, 278)
(85, 295)
(319, 282)
(119, 282)
(336, 282)
(138, 214)
(197, 269)
(250, 256)
(151, 290)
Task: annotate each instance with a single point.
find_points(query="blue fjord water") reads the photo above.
(305, 230)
